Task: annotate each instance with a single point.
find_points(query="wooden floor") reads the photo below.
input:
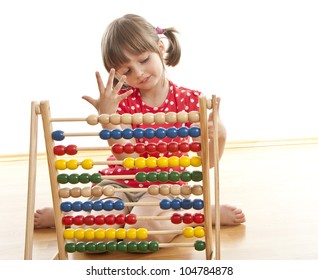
(276, 186)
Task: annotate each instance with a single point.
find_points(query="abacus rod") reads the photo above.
(67, 119)
(80, 134)
(169, 245)
(109, 177)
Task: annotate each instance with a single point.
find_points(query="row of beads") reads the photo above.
(163, 177)
(131, 219)
(160, 147)
(148, 118)
(112, 246)
(97, 191)
(110, 205)
(122, 233)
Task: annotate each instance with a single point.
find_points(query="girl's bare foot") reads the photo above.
(44, 218)
(230, 215)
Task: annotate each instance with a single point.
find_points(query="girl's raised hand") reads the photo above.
(109, 99)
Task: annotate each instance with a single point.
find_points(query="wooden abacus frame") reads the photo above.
(212, 243)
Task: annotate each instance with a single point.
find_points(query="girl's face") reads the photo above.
(144, 71)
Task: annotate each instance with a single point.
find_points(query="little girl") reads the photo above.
(135, 56)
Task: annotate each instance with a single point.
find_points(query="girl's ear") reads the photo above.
(161, 47)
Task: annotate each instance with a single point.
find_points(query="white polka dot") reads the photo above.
(140, 185)
(191, 100)
(126, 181)
(155, 108)
(171, 102)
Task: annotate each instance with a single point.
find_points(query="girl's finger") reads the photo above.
(100, 83)
(111, 77)
(90, 100)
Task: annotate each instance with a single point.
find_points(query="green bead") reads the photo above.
(143, 246)
(152, 176)
(122, 246)
(73, 178)
(111, 246)
(96, 178)
(80, 247)
(153, 246)
(199, 245)
(101, 246)
(163, 176)
(132, 246)
(141, 177)
(174, 176)
(62, 178)
(196, 176)
(84, 178)
(90, 246)
(70, 247)
(185, 176)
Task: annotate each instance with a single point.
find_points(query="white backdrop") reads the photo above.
(260, 56)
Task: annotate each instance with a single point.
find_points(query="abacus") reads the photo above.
(85, 238)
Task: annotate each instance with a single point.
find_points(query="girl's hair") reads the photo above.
(133, 34)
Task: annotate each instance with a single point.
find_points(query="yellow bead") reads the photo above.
(142, 233)
(131, 233)
(89, 234)
(72, 164)
(92, 119)
(151, 162)
(188, 232)
(79, 233)
(182, 117)
(68, 233)
(129, 162)
(173, 161)
(87, 163)
(120, 233)
(114, 118)
(60, 164)
(160, 117)
(163, 162)
(100, 233)
(126, 118)
(149, 118)
(199, 232)
(196, 161)
(184, 161)
(140, 162)
(194, 116)
(110, 233)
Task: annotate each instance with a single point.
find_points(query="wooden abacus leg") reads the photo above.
(28, 245)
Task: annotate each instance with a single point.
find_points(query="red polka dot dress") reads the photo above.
(178, 99)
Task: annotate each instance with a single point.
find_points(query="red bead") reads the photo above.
(195, 146)
(71, 150)
(99, 219)
(110, 219)
(120, 219)
(67, 220)
(131, 219)
(173, 147)
(184, 147)
(176, 218)
(129, 148)
(59, 150)
(162, 147)
(117, 149)
(78, 220)
(151, 148)
(89, 220)
(140, 148)
(198, 218)
(187, 218)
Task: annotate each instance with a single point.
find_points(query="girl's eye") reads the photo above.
(145, 60)
(126, 72)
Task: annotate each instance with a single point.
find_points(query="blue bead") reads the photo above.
(197, 204)
(77, 206)
(186, 203)
(116, 134)
(161, 132)
(87, 206)
(58, 135)
(149, 133)
(138, 133)
(165, 204)
(127, 133)
(172, 132)
(183, 131)
(108, 205)
(119, 205)
(176, 204)
(194, 131)
(98, 205)
(66, 206)
(104, 134)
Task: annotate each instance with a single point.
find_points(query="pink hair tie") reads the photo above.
(159, 30)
